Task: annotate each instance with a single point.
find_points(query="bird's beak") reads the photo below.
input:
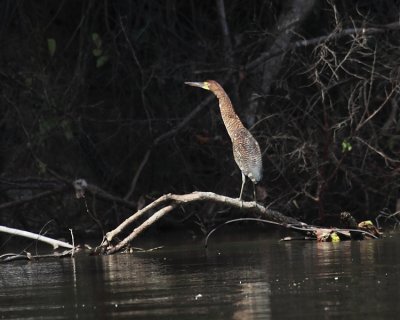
(203, 85)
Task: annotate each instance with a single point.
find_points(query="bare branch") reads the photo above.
(225, 31)
(373, 114)
(384, 156)
(165, 136)
(332, 36)
(38, 237)
(61, 186)
(170, 201)
(30, 199)
(137, 174)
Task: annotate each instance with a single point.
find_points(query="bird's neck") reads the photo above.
(229, 116)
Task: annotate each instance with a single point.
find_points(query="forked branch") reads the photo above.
(168, 202)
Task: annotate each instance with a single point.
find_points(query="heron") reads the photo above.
(246, 150)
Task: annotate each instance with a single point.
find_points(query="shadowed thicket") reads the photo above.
(94, 90)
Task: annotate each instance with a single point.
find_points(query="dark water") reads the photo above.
(263, 279)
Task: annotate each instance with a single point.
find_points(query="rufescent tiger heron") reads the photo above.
(246, 151)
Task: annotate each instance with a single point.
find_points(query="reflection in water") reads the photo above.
(232, 280)
(188, 282)
(255, 301)
(338, 279)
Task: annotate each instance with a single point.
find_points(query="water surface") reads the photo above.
(258, 279)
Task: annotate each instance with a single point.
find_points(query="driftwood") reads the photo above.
(168, 202)
(26, 234)
(11, 257)
(364, 230)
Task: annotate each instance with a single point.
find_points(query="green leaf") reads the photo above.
(96, 40)
(52, 46)
(346, 146)
(101, 61)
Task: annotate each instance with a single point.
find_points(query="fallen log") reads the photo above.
(168, 202)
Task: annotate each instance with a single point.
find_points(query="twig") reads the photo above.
(11, 257)
(129, 42)
(388, 216)
(308, 42)
(92, 189)
(38, 237)
(33, 198)
(104, 195)
(73, 243)
(137, 174)
(373, 114)
(238, 220)
(225, 31)
(384, 156)
(165, 136)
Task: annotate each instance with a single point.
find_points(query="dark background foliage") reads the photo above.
(94, 90)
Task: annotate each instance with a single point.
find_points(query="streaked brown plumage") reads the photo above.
(246, 150)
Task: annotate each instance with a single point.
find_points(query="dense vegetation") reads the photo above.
(94, 90)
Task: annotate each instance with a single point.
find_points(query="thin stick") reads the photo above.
(38, 237)
(307, 42)
(165, 136)
(237, 220)
(225, 31)
(137, 175)
(73, 243)
(33, 198)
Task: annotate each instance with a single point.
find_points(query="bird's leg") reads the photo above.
(243, 181)
(255, 193)
(241, 190)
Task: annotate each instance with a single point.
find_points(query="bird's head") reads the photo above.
(207, 85)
